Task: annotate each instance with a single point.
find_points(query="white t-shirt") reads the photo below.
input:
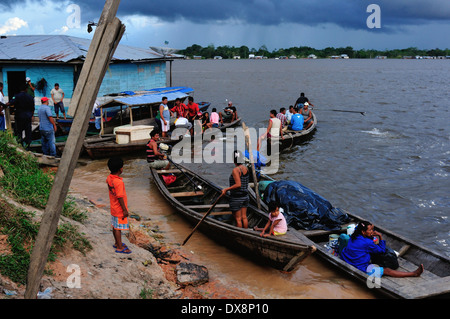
(57, 94)
(181, 121)
(2, 100)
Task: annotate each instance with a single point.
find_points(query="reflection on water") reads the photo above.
(311, 280)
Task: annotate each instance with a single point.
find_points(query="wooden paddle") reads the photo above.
(206, 215)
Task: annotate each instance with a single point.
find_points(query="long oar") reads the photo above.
(360, 112)
(206, 215)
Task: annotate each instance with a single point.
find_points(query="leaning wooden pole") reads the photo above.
(104, 43)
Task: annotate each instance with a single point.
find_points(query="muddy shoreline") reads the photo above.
(104, 274)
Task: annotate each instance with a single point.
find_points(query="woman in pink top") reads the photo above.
(276, 225)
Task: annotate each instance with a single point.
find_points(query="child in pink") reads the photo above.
(276, 225)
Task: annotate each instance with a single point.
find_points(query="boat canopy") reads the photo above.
(147, 97)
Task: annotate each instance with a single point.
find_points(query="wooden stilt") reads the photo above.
(103, 45)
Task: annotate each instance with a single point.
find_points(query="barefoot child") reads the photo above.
(118, 203)
(277, 223)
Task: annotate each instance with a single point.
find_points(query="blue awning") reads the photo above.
(152, 96)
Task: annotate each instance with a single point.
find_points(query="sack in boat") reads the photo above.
(169, 179)
(388, 259)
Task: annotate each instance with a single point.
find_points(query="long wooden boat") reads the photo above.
(433, 282)
(292, 138)
(283, 252)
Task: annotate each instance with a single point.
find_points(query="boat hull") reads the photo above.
(284, 253)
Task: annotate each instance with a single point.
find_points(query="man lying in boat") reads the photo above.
(363, 243)
(155, 158)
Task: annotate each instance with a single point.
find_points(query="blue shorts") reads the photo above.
(119, 223)
(374, 270)
(59, 107)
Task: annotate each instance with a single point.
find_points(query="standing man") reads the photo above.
(164, 113)
(179, 108)
(47, 127)
(24, 110)
(192, 110)
(30, 87)
(2, 109)
(58, 98)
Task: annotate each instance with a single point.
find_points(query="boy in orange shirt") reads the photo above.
(118, 203)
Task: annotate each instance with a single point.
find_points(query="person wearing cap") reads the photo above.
(58, 98)
(30, 87)
(47, 128)
(307, 116)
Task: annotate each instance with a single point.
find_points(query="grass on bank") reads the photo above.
(26, 183)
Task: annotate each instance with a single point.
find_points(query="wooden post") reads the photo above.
(252, 163)
(102, 131)
(104, 43)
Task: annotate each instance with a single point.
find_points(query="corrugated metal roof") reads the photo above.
(63, 48)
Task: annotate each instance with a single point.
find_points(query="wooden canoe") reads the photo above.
(292, 138)
(103, 149)
(283, 252)
(434, 281)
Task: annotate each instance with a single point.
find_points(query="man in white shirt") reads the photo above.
(58, 98)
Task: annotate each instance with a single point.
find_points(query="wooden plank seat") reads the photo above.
(196, 207)
(187, 194)
(221, 213)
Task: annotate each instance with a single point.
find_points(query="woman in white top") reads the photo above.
(274, 129)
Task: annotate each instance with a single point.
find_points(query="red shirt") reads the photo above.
(193, 109)
(180, 109)
(116, 188)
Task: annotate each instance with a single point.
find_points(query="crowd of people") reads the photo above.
(187, 115)
(23, 106)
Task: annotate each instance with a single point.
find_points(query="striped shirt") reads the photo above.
(283, 119)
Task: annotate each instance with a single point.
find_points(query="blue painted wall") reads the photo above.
(62, 74)
(119, 77)
(133, 77)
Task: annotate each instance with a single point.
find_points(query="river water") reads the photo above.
(390, 166)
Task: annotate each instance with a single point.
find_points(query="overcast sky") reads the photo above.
(273, 23)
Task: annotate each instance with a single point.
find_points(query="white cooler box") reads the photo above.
(126, 134)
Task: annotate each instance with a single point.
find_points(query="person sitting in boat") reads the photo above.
(289, 114)
(363, 243)
(215, 118)
(206, 121)
(183, 123)
(307, 116)
(296, 121)
(239, 199)
(155, 158)
(282, 117)
(273, 130)
(301, 101)
(276, 225)
(179, 108)
(229, 113)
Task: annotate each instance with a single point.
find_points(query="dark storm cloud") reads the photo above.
(345, 13)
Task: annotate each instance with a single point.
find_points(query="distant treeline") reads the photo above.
(229, 52)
